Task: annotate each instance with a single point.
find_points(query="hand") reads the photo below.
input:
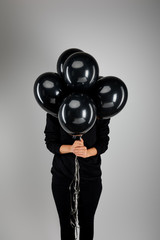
(79, 149)
(83, 152)
(77, 143)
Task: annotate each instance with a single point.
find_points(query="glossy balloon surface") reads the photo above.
(111, 95)
(92, 90)
(49, 92)
(63, 57)
(77, 114)
(80, 71)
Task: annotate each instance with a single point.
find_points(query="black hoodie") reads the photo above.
(64, 164)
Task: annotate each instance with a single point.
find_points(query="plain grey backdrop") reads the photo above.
(124, 37)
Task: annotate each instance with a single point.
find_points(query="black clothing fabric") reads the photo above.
(63, 169)
(90, 192)
(63, 164)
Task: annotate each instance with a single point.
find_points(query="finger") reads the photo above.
(82, 141)
(81, 155)
(80, 148)
(80, 152)
(78, 143)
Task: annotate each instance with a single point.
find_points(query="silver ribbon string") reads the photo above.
(74, 189)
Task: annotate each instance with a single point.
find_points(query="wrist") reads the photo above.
(65, 149)
(91, 152)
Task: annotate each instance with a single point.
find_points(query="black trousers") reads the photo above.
(89, 195)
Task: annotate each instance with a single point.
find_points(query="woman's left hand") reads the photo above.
(81, 152)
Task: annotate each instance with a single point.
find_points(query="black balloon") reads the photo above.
(110, 96)
(80, 71)
(63, 57)
(92, 90)
(77, 114)
(49, 91)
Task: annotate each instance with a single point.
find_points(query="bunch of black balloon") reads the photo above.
(77, 95)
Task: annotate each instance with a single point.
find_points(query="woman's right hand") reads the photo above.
(77, 144)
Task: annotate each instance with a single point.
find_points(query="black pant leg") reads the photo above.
(90, 192)
(61, 194)
(88, 201)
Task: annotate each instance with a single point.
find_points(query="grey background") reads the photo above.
(124, 38)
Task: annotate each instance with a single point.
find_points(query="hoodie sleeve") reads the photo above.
(52, 132)
(102, 135)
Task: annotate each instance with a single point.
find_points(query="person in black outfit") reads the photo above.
(88, 150)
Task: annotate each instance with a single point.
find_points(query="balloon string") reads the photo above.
(75, 185)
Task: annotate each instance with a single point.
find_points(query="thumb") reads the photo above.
(82, 141)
